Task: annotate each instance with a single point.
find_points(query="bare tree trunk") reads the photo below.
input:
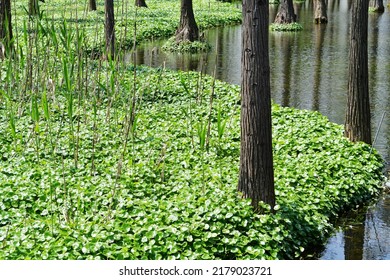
(286, 12)
(256, 178)
(5, 28)
(320, 15)
(109, 28)
(377, 6)
(358, 116)
(92, 5)
(188, 29)
(141, 3)
(33, 7)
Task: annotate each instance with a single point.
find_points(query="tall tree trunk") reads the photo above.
(358, 121)
(377, 6)
(92, 5)
(286, 12)
(256, 178)
(188, 29)
(141, 3)
(109, 28)
(33, 7)
(320, 15)
(5, 28)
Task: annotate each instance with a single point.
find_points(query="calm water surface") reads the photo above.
(309, 71)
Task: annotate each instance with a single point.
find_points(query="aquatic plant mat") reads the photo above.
(286, 27)
(140, 163)
(159, 20)
(103, 160)
(185, 46)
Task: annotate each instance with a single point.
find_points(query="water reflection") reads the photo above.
(320, 30)
(309, 70)
(367, 238)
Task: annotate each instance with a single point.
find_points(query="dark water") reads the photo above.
(309, 71)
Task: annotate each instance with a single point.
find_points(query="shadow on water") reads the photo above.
(309, 71)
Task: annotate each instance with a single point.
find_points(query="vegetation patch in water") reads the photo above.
(160, 19)
(286, 27)
(130, 172)
(186, 46)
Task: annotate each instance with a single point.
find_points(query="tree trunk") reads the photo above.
(92, 5)
(141, 3)
(188, 29)
(354, 239)
(5, 28)
(358, 121)
(320, 15)
(377, 6)
(286, 13)
(109, 28)
(33, 7)
(256, 178)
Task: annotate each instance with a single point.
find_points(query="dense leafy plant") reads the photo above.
(185, 47)
(286, 27)
(160, 19)
(163, 195)
(104, 160)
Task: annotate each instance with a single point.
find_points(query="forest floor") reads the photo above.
(104, 160)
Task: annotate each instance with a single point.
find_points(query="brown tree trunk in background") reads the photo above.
(109, 28)
(33, 7)
(188, 29)
(377, 6)
(358, 116)
(92, 5)
(320, 14)
(5, 28)
(141, 3)
(256, 178)
(286, 12)
(354, 239)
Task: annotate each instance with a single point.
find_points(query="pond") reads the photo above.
(309, 70)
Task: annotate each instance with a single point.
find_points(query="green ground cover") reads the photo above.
(104, 160)
(165, 195)
(160, 19)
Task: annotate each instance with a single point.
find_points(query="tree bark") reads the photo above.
(141, 3)
(377, 6)
(320, 14)
(285, 13)
(33, 7)
(188, 29)
(5, 27)
(109, 28)
(256, 178)
(92, 5)
(358, 120)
